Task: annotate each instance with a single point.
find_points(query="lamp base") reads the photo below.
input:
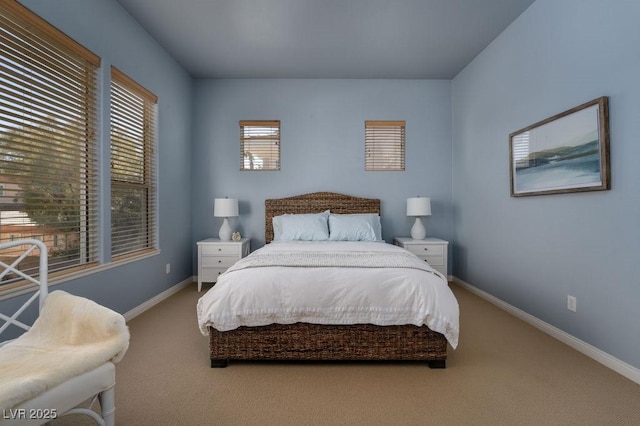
(225, 231)
(418, 231)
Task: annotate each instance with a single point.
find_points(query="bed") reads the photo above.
(325, 338)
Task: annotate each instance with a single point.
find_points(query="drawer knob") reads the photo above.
(219, 249)
(425, 249)
(219, 261)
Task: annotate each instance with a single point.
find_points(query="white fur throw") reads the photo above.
(71, 336)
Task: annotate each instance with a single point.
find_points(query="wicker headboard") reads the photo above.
(315, 203)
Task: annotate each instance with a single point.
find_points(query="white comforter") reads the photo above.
(252, 295)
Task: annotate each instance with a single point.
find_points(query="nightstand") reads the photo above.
(431, 250)
(215, 257)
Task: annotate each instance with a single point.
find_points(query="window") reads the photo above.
(260, 145)
(47, 140)
(133, 169)
(384, 145)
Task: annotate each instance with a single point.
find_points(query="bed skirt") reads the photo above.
(303, 341)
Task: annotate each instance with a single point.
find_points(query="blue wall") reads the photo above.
(108, 31)
(322, 147)
(532, 252)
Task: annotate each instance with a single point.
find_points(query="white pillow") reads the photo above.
(305, 227)
(355, 227)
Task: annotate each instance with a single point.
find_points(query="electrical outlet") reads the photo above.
(571, 303)
(168, 268)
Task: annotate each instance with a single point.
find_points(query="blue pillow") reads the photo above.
(355, 227)
(305, 227)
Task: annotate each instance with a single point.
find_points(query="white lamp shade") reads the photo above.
(225, 207)
(419, 206)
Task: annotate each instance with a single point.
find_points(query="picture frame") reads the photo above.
(568, 152)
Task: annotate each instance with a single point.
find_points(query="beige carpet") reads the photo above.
(504, 372)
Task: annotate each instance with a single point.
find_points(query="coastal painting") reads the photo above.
(568, 152)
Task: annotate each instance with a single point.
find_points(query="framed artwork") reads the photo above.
(568, 152)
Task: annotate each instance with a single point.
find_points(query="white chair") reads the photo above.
(64, 398)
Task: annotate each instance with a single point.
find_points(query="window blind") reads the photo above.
(384, 145)
(48, 162)
(520, 149)
(259, 145)
(133, 168)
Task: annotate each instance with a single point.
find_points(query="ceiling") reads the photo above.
(394, 39)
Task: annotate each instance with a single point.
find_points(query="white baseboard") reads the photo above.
(157, 299)
(620, 367)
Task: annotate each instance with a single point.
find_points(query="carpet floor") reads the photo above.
(504, 372)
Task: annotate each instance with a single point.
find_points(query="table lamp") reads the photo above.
(226, 208)
(418, 206)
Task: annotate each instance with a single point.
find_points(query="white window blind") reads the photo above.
(384, 145)
(520, 149)
(133, 168)
(47, 142)
(260, 145)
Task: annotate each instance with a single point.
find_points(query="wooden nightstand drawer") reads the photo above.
(215, 257)
(211, 274)
(220, 249)
(432, 250)
(426, 249)
(433, 260)
(219, 261)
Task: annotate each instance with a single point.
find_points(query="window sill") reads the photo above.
(53, 281)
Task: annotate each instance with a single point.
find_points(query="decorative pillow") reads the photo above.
(355, 227)
(306, 227)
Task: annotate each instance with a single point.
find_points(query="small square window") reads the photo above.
(260, 145)
(384, 145)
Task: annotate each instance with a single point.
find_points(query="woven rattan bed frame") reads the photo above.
(303, 341)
